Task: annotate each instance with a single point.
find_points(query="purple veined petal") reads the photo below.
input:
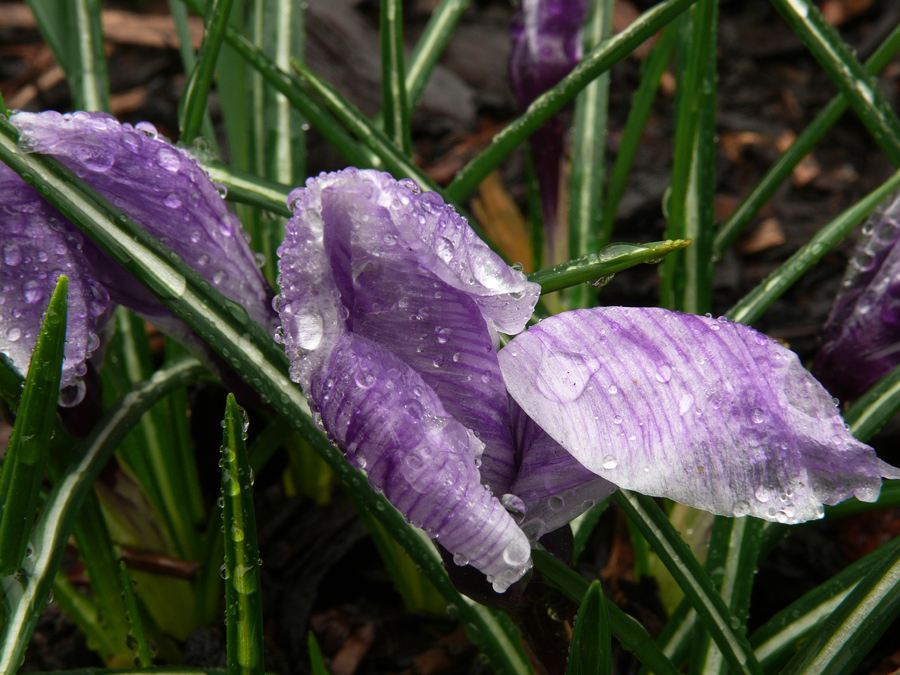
(703, 411)
(546, 45)
(371, 255)
(162, 188)
(394, 426)
(862, 334)
(36, 248)
(552, 487)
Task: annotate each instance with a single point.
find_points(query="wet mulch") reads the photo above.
(321, 572)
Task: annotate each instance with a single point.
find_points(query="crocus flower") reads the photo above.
(546, 46)
(153, 182)
(391, 308)
(862, 334)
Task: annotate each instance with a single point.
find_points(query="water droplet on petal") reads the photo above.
(663, 373)
(609, 462)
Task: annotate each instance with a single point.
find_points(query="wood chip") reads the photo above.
(146, 30)
(767, 235)
(837, 12)
(502, 221)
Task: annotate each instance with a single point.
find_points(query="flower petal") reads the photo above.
(162, 188)
(412, 277)
(36, 248)
(706, 412)
(552, 486)
(388, 305)
(393, 425)
(862, 334)
(546, 45)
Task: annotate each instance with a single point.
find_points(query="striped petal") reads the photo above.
(36, 248)
(706, 412)
(862, 334)
(162, 188)
(390, 307)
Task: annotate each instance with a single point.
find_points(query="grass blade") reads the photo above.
(601, 266)
(431, 45)
(552, 101)
(587, 230)
(589, 653)
(873, 409)
(248, 188)
(243, 594)
(779, 172)
(85, 62)
(776, 641)
(642, 104)
(249, 350)
(684, 568)
(27, 594)
(29, 444)
(687, 275)
(394, 104)
(845, 70)
(633, 636)
(285, 83)
(857, 623)
(188, 60)
(196, 91)
(278, 136)
(52, 19)
(397, 163)
(731, 563)
(316, 662)
(154, 452)
(143, 654)
(753, 305)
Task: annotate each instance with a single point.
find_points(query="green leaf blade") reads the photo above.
(589, 653)
(26, 456)
(243, 593)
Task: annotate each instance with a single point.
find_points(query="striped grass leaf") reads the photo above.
(687, 275)
(589, 653)
(244, 642)
(597, 268)
(837, 59)
(587, 230)
(27, 593)
(711, 609)
(29, 443)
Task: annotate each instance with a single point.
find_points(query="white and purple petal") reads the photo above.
(706, 412)
(389, 307)
(372, 255)
(551, 487)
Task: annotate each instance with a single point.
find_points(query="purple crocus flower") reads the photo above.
(862, 333)
(546, 46)
(153, 182)
(391, 309)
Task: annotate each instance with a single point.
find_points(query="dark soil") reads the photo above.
(321, 572)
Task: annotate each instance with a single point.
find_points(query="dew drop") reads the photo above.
(663, 373)
(609, 462)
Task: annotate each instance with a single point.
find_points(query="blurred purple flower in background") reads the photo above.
(862, 333)
(391, 308)
(150, 180)
(546, 46)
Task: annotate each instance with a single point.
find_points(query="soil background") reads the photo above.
(321, 571)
